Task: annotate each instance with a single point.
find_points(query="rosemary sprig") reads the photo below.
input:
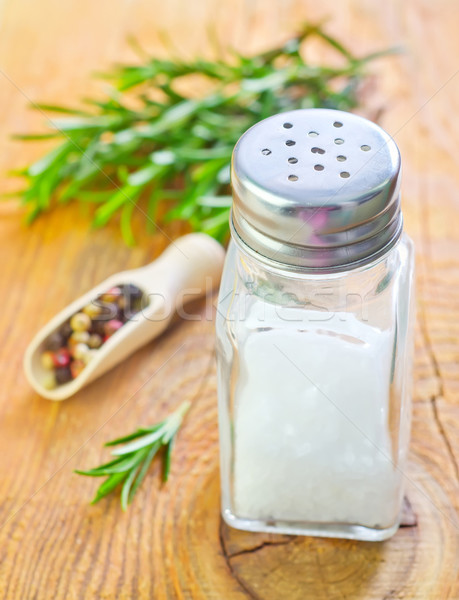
(134, 458)
(149, 143)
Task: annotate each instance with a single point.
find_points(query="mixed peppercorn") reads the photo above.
(69, 349)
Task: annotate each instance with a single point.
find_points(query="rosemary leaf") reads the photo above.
(127, 487)
(145, 440)
(143, 470)
(174, 147)
(132, 436)
(109, 485)
(134, 458)
(167, 460)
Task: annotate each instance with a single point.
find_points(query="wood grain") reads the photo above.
(171, 543)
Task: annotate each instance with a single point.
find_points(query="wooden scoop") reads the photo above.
(189, 268)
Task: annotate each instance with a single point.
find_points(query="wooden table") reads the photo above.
(171, 543)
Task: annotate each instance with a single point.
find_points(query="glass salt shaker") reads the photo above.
(314, 330)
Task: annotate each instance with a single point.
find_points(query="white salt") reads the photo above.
(311, 425)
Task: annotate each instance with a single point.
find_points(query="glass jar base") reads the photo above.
(330, 530)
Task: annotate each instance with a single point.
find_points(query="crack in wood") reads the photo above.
(444, 435)
(409, 517)
(428, 343)
(434, 397)
(259, 547)
(233, 573)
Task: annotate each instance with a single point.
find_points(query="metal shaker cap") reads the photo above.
(316, 189)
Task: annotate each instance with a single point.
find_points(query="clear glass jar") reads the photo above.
(314, 385)
(314, 377)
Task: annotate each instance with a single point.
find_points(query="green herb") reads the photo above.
(134, 458)
(151, 145)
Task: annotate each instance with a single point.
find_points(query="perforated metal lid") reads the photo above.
(317, 189)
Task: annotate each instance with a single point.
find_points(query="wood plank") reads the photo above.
(171, 543)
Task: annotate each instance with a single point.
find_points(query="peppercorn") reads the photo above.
(80, 322)
(78, 337)
(76, 367)
(49, 381)
(93, 310)
(65, 330)
(61, 358)
(112, 294)
(63, 375)
(55, 341)
(47, 360)
(95, 341)
(132, 291)
(123, 302)
(131, 301)
(79, 350)
(108, 310)
(88, 356)
(119, 312)
(124, 310)
(98, 327)
(112, 326)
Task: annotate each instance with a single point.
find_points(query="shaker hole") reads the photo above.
(337, 124)
(266, 151)
(319, 167)
(288, 125)
(293, 177)
(290, 143)
(365, 147)
(344, 174)
(313, 134)
(316, 150)
(292, 160)
(339, 141)
(341, 158)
